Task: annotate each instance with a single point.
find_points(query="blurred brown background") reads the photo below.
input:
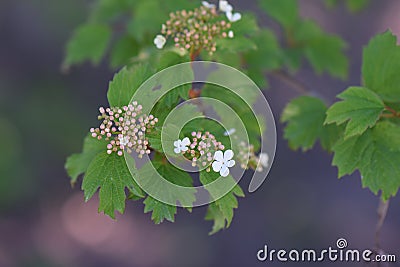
(45, 114)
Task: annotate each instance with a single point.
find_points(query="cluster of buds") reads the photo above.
(247, 157)
(198, 29)
(200, 149)
(125, 128)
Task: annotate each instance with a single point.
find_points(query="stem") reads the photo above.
(393, 113)
(382, 212)
(290, 80)
(194, 54)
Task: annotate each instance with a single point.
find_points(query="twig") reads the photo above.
(382, 211)
(290, 80)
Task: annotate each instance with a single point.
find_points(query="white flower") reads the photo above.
(224, 6)
(124, 140)
(233, 17)
(230, 34)
(223, 161)
(181, 145)
(207, 4)
(160, 41)
(264, 159)
(230, 132)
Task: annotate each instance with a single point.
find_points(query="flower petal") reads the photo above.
(184, 148)
(160, 41)
(264, 159)
(224, 6)
(177, 143)
(207, 4)
(185, 141)
(224, 171)
(230, 163)
(232, 130)
(177, 150)
(217, 166)
(228, 155)
(219, 156)
(233, 17)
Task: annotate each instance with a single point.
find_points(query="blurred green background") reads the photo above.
(44, 115)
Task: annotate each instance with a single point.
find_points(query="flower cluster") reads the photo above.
(200, 149)
(247, 157)
(205, 151)
(125, 128)
(198, 29)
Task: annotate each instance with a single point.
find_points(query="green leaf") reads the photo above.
(89, 42)
(77, 164)
(215, 214)
(267, 56)
(324, 51)
(168, 58)
(380, 165)
(236, 44)
(305, 118)
(125, 49)
(240, 107)
(360, 107)
(125, 84)
(349, 153)
(106, 11)
(160, 211)
(330, 134)
(229, 49)
(246, 26)
(111, 174)
(221, 210)
(376, 153)
(172, 174)
(286, 12)
(147, 19)
(381, 65)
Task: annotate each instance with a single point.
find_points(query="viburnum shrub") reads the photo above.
(141, 37)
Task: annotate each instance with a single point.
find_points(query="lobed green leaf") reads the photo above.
(381, 64)
(110, 175)
(360, 107)
(305, 118)
(89, 42)
(77, 164)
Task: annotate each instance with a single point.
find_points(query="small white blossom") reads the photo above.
(207, 4)
(264, 159)
(233, 17)
(223, 161)
(224, 6)
(181, 145)
(230, 132)
(123, 140)
(231, 34)
(160, 41)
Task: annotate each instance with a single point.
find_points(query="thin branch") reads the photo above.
(382, 212)
(291, 81)
(393, 113)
